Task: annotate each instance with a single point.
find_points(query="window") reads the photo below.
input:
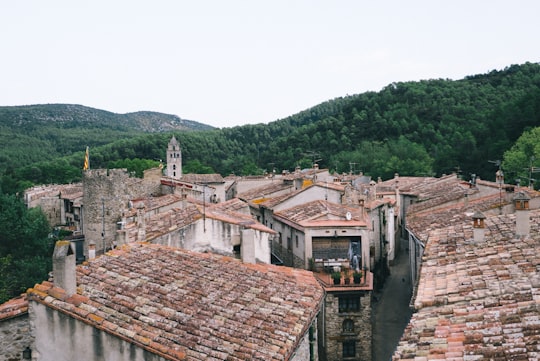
(289, 243)
(349, 303)
(296, 241)
(349, 349)
(348, 326)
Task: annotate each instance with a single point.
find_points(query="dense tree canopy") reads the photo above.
(522, 161)
(413, 128)
(25, 248)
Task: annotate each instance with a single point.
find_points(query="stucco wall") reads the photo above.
(15, 336)
(306, 347)
(59, 337)
(215, 236)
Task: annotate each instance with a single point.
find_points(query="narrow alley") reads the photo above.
(391, 311)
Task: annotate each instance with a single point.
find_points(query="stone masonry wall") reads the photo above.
(106, 195)
(15, 336)
(334, 333)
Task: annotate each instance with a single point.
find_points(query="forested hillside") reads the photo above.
(427, 127)
(36, 133)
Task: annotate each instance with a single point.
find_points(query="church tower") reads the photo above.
(174, 159)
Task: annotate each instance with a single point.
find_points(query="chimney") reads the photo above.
(91, 251)
(479, 227)
(64, 267)
(521, 204)
(141, 223)
(247, 250)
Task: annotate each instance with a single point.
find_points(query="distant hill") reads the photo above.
(42, 132)
(416, 128)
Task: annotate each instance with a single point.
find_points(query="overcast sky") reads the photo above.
(232, 62)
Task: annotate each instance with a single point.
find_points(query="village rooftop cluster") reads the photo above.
(178, 266)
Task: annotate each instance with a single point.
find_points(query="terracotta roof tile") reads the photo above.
(267, 191)
(477, 300)
(322, 213)
(193, 306)
(17, 306)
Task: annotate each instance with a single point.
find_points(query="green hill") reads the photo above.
(61, 129)
(426, 127)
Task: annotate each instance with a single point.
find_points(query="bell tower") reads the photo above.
(174, 159)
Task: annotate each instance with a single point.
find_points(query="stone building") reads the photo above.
(225, 228)
(174, 159)
(15, 335)
(106, 193)
(477, 295)
(150, 302)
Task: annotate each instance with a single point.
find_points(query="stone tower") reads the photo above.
(174, 159)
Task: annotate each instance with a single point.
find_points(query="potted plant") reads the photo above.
(357, 277)
(336, 276)
(346, 275)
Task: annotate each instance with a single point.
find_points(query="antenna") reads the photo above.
(352, 166)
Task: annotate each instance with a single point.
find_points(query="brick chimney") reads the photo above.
(64, 267)
(479, 228)
(521, 205)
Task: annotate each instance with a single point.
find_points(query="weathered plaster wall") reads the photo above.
(15, 336)
(214, 236)
(59, 337)
(306, 347)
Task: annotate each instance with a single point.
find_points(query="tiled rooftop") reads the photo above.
(321, 213)
(267, 191)
(477, 300)
(232, 205)
(184, 305)
(202, 178)
(15, 307)
(421, 222)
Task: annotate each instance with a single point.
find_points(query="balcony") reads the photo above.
(326, 280)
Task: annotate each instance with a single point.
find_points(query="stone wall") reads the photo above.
(15, 336)
(334, 333)
(106, 194)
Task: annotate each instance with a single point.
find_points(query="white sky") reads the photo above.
(233, 62)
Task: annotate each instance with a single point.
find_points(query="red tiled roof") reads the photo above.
(266, 191)
(421, 222)
(477, 300)
(15, 307)
(202, 178)
(322, 213)
(184, 305)
(234, 205)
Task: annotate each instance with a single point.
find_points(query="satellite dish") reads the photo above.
(348, 215)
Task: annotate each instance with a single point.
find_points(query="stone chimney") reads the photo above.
(479, 228)
(91, 251)
(64, 267)
(247, 250)
(141, 223)
(521, 204)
